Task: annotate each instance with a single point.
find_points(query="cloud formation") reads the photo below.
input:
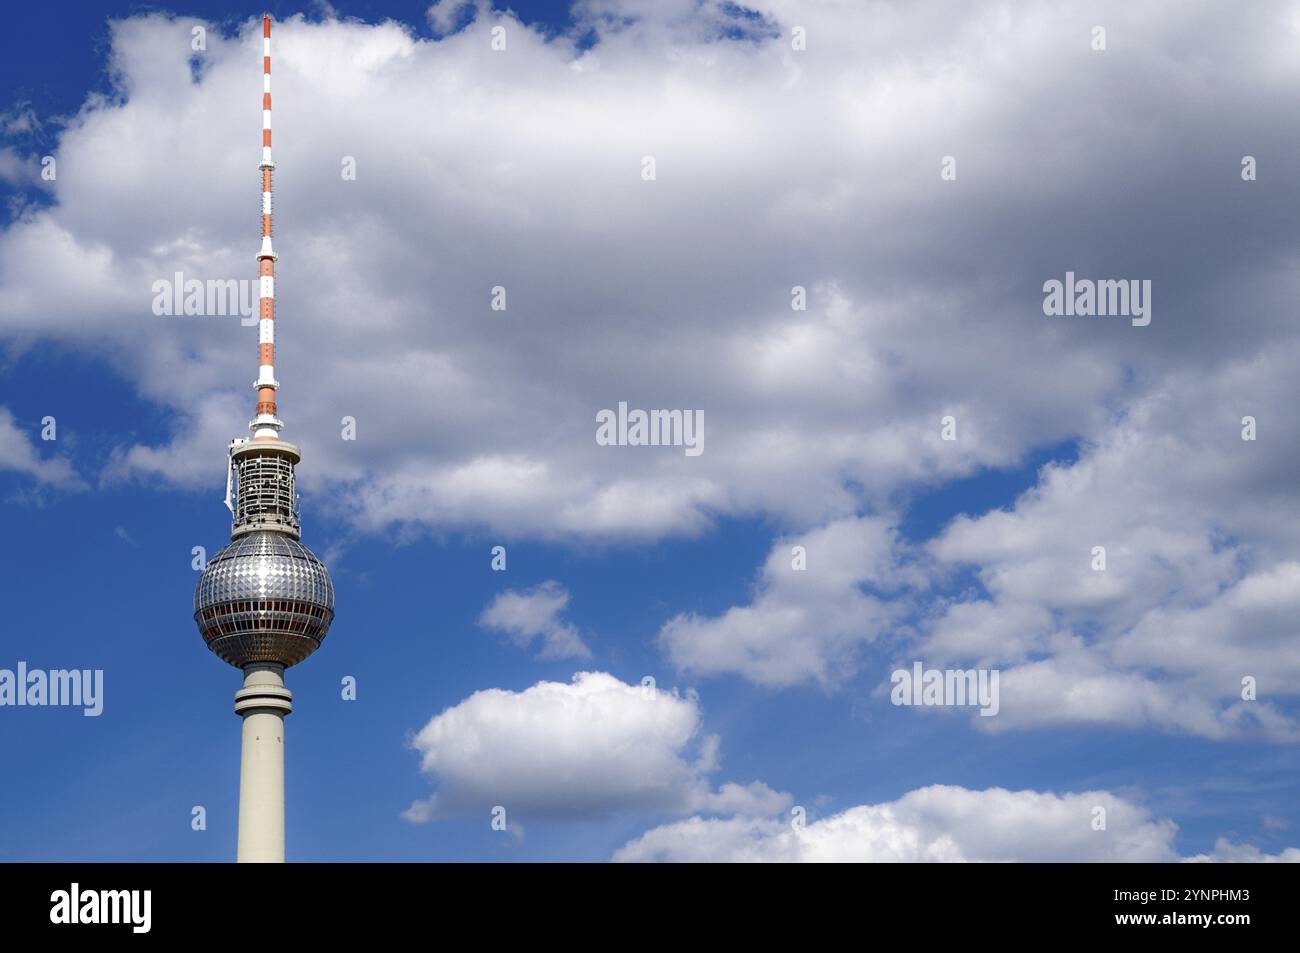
(940, 823)
(810, 616)
(524, 615)
(18, 453)
(589, 749)
(597, 747)
(776, 168)
(1200, 588)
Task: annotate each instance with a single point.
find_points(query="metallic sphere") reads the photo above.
(264, 598)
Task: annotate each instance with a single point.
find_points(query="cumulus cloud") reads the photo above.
(443, 15)
(775, 168)
(18, 453)
(1229, 853)
(1200, 590)
(940, 823)
(589, 749)
(810, 615)
(524, 615)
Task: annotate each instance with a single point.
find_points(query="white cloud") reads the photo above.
(19, 121)
(1201, 587)
(17, 169)
(940, 823)
(18, 453)
(1227, 852)
(804, 625)
(444, 14)
(526, 614)
(776, 168)
(589, 749)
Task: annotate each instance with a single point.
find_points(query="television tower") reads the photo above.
(265, 601)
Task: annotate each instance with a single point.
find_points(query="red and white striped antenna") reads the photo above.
(265, 424)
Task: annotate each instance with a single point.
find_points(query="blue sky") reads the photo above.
(1073, 429)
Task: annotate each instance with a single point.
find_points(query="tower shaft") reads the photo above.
(264, 703)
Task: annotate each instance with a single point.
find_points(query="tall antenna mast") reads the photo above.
(265, 424)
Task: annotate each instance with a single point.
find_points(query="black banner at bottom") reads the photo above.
(139, 902)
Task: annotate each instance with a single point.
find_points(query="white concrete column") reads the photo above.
(263, 702)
